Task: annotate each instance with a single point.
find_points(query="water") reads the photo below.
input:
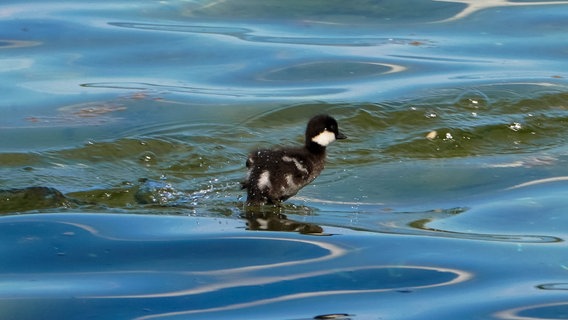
(125, 127)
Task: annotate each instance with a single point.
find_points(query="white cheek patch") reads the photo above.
(324, 138)
(264, 180)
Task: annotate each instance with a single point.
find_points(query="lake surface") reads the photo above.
(125, 127)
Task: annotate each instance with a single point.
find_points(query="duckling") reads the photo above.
(274, 175)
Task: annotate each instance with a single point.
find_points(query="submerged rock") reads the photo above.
(32, 198)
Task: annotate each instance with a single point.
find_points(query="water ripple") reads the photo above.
(545, 311)
(247, 35)
(219, 91)
(330, 71)
(173, 269)
(13, 44)
(342, 282)
(488, 237)
(473, 6)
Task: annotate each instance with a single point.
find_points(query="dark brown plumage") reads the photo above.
(274, 175)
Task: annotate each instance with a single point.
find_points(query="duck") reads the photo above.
(275, 175)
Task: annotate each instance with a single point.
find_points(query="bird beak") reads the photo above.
(340, 135)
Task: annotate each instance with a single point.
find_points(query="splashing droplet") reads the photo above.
(515, 126)
(430, 114)
(472, 99)
(148, 158)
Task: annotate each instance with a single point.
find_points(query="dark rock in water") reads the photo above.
(32, 198)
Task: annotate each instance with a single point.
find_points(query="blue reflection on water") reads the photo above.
(157, 267)
(78, 77)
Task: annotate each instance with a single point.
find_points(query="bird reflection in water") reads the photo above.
(271, 218)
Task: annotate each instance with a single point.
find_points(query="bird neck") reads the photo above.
(315, 148)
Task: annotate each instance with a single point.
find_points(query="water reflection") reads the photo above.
(9, 65)
(423, 225)
(339, 281)
(554, 286)
(274, 220)
(330, 71)
(151, 107)
(473, 6)
(152, 196)
(173, 270)
(545, 311)
(540, 181)
(338, 316)
(234, 92)
(249, 35)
